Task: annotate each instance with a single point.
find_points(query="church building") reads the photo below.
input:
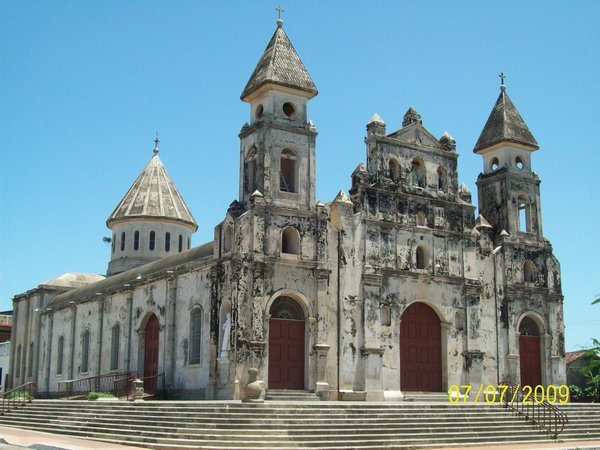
(395, 286)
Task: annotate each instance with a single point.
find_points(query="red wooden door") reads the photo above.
(420, 350)
(151, 354)
(530, 360)
(286, 354)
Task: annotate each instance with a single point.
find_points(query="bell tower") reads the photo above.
(277, 148)
(509, 190)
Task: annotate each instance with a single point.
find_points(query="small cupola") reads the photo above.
(151, 221)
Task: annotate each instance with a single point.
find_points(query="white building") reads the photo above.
(394, 287)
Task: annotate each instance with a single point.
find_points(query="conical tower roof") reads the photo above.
(505, 124)
(281, 65)
(153, 195)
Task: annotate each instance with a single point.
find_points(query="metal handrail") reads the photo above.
(18, 396)
(543, 414)
(81, 386)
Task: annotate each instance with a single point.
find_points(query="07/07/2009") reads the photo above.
(501, 394)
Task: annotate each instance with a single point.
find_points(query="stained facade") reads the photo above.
(396, 286)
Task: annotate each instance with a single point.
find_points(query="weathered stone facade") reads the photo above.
(394, 287)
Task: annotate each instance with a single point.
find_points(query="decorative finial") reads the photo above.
(279, 10)
(502, 77)
(156, 142)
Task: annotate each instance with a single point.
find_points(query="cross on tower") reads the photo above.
(502, 77)
(279, 10)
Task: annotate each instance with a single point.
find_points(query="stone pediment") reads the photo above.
(416, 134)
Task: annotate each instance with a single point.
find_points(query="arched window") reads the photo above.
(528, 327)
(519, 163)
(417, 173)
(136, 240)
(528, 272)
(152, 241)
(422, 257)
(251, 171)
(195, 335)
(114, 346)
(167, 242)
(421, 220)
(85, 351)
(122, 241)
(524, 218)
(30, 361)
(286, 308)
(290, 241)
(287, 172)
(386, 316)
(180, 243)
(189, 242)
(442, 179)
(494, 164)
(60, 355)
(394, 169)
(18, 362)
(113, 243)
(227, 239)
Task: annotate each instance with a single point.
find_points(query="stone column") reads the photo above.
(321, 386)
(373, 363)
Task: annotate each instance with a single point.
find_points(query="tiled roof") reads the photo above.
(280, 64)
(153, 195)
(505, 124)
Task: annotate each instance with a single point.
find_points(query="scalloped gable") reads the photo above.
(416, 134)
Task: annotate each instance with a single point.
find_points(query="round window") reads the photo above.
(259, 111)
(288, 109)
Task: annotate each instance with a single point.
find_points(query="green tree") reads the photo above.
(591, 371)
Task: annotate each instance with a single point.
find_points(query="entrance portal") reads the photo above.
(420, 349)
(151, 354)
(529, 351)
(286, 345)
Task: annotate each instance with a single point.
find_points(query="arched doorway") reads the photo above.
(286, 344)
(529, 350)
(151, 337)
(420, 349)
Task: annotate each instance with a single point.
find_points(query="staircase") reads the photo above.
(326, 425)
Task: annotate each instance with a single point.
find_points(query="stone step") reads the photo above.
(259, 440)
(331, 425)
(291, 395)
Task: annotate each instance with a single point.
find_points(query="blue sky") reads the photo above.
(85, 85)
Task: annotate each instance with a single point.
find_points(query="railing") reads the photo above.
(118, 384)
(18, 396)
(81, 386)
(542, 413)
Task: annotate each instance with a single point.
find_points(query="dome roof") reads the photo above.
(153, 195)
(73, 280)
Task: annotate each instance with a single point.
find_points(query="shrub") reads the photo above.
(96, 395)
(21, 395)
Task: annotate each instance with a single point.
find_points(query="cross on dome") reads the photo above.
(156, 142)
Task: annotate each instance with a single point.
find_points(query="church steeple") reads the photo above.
(505, 125)
(509, 194)
(151, 221)
(277, 154)
(279, 65)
